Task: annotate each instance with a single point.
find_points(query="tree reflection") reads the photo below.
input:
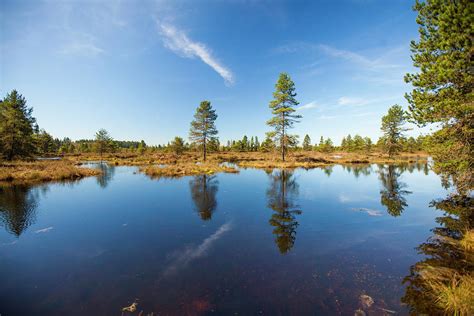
(107, 174)
(18, 204)
(203, 192)
(358, 170)
(393, 192)
(281, 194)
(448, 258)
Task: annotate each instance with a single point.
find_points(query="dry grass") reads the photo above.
(455, 297)
(451, 291)
(42, 171)
(251, 159)
(185, 169)
(185, 164)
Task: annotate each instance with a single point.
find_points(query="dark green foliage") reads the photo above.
(45, 143)
(177, 145)
(392, 128)
(103, 141)
(203, 128)
(282, 106)
(17, 126)
(443, 87)
(307, 142)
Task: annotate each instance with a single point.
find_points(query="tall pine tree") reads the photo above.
(282, 107)
(443, 87)
(203, 128)
(17, 126)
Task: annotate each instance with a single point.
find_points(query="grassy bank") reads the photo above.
(305, 159)
(185, 169)
(165, 164)
(24, 172)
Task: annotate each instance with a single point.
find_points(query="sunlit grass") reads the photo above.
(453, 292)
(42, 171)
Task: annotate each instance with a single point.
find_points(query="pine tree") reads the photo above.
(392, 128)
(307, 142)
(245, 143)
(103, 141)
(444, 85)
(282, 106)
(203, 128)
(17, 126)
(257, 144)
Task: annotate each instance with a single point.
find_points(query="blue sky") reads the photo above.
(139, 70)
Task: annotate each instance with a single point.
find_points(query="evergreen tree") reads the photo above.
(392, 128)
(282, 106)
(103, 141)
(257, 144)
(358, 143)
(244, 144)
(141, 147)
(44, 143)
(328, 145)
(17, 126)
(203, 128)
(177, 145)
(343, 143)
(367, 144)
(349, 143)
(267, 145)
(444, 85)
(307, 142)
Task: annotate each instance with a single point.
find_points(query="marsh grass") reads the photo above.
(31, 172)
(185, 169)
(453, 292)
(250, 159)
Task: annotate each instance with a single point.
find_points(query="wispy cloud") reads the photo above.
(178, 41)
(310, 105)
(182, 258)
(352, 101)
(370, 64)
(359, 101)
(82, 48)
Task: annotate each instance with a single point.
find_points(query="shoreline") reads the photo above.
(169, 165)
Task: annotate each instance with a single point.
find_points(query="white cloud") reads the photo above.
(177, 41)
(375, 64)
(327, 117)
(352, 101)
(87, 49)
(310, 105)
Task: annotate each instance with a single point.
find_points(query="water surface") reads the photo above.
(302, 242)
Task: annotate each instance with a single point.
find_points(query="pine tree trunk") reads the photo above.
(204, 148)
(283, 139)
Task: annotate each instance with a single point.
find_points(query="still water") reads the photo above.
(302, 242)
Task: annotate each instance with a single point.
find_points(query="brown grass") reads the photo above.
(453, 292)
(185, 164)
(185, 169)
(42, 171)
